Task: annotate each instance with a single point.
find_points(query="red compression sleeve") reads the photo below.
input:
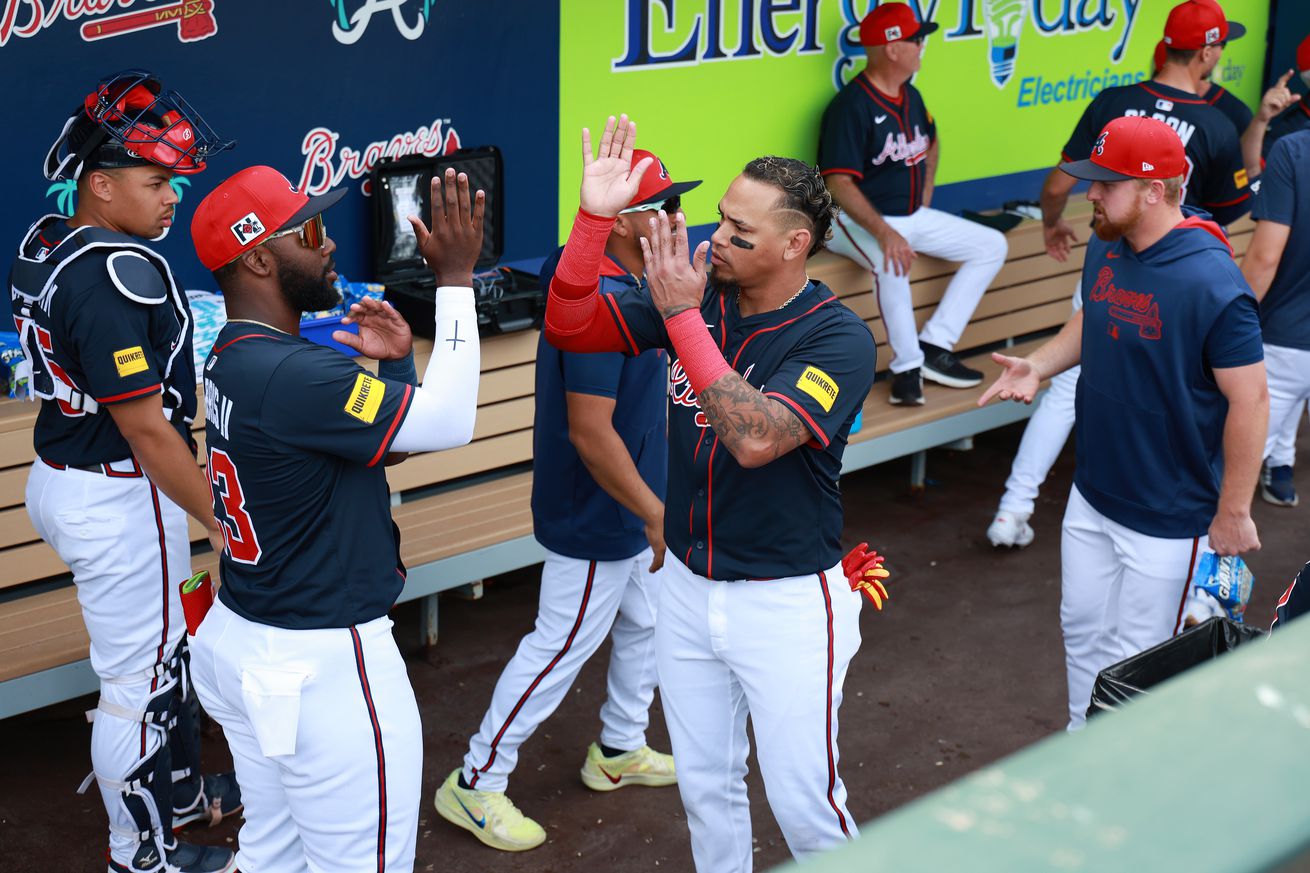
(697, 352)
(572, 306)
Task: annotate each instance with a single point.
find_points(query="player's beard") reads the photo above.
(1110, 231)
(305, 291)
(730, 290)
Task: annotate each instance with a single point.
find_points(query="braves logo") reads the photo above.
(1132, 307)
(194, 19)
(326, 165)
(348, 29)
(1099, 148)
(681, 394)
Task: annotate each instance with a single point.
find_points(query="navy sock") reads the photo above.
(610, 753)
(462, 783)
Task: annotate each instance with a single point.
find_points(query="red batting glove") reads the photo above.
(864, 571)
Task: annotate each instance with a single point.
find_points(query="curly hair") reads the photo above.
(802, 192)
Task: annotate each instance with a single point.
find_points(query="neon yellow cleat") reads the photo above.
(643, 766)
(488, 815)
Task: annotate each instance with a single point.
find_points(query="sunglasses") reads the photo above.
(313, 233)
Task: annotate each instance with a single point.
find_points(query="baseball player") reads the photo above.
(878, 153)
(296, 659)
(599, 472)
(1277, 266)
(1295, 600)
(1215, 94)
(1296, 114)
(108, 335)
(769, 371)
(1171, 404)
(1214, 165)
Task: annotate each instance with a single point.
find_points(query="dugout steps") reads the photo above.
(464, 513)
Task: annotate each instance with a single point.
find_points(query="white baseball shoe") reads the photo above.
(1010, 529)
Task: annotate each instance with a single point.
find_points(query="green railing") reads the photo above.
(1211, 773)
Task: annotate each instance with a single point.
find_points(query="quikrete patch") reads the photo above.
(129, 361)
(365, 398)
(820, 386)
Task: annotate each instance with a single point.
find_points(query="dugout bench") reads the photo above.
(464, 513)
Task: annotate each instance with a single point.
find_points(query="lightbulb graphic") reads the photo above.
(1004, 22)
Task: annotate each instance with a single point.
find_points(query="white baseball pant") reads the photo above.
(1289, 393)
(581, 602)
(325, 735)
(1043, 439)
(1121, 593)
(128, 548)
(980, 251)
(777, 651)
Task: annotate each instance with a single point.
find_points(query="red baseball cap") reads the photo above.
(1303, 55)
(1132, 147)
(657, 185)
(1198, 23)
(892, 22)
(1158, 57)
(248, 208)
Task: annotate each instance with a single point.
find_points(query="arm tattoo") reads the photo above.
(741, 416)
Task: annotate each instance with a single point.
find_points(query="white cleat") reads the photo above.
(1010, 530)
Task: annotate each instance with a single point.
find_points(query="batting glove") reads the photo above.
(864, 571)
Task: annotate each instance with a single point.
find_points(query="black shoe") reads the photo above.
(219, 796)
(907, 388)
(186, 857)
(944, 368)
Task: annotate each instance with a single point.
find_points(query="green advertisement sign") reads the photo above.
(714, 83)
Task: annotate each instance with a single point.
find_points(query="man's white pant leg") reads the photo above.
(1091, 577)
(705, 710)
(789, 642)
(1157, 576)
(1288, 371)
(1043, 439)
(980, 251)
(895, 304)
(632, 672)
(575, 612)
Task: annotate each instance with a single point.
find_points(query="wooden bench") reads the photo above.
(464, 513)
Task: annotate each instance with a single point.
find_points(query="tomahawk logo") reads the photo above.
(191, 20)
(247, 228)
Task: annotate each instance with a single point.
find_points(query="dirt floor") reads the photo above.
(964, 666)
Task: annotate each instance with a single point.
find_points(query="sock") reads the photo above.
(610, 753)
(462, 783)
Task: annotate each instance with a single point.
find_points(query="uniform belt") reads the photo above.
(127, 468)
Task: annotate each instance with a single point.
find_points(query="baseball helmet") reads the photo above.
(129, 120)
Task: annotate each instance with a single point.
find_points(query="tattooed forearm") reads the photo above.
(755, 428)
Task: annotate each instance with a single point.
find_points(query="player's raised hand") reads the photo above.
(1019, 381)
(383, 334)
(1059, 238)
(1277, 98)
(676, 283)
(609, 180)
(453, 245)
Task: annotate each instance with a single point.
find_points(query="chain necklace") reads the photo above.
(280, 330)
(786, 303)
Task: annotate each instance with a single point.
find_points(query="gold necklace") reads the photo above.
(786, 303)
(269, 326)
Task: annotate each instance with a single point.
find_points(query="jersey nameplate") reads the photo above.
(820, 386)
(365, 398)
(129, 361)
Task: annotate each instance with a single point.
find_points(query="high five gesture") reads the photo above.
(609, 180)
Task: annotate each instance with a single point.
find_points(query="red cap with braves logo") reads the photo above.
(892, 22)
(1132, 147)
(248, 208)
(656, 185)
(1198, 23)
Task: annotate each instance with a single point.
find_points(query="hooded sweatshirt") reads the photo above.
(1150, 416)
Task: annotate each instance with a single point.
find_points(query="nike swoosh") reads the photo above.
(614, 779)
(879, 119)
(480, 822)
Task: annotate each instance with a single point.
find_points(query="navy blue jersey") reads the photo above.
(1231, 106)
(1216, 177)
(881, 141)
(1285, 198)
(109, 326)
(296, 435)
(1293, 119)
(1150, 417)
(814, 356)
(571, 514)
(1295, 600)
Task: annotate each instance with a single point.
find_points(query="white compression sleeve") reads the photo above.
(442, 412)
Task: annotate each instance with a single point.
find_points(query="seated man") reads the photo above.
(878, 155)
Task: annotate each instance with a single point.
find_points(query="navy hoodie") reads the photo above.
(1150, 417)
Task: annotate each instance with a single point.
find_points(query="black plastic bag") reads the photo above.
(1117, 684)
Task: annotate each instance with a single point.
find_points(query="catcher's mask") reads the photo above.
(129, 120)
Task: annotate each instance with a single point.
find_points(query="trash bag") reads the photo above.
(1139, 674)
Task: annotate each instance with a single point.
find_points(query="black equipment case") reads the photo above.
(506, 299)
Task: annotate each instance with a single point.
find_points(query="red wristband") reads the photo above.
(700, 358)
(579, 265)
